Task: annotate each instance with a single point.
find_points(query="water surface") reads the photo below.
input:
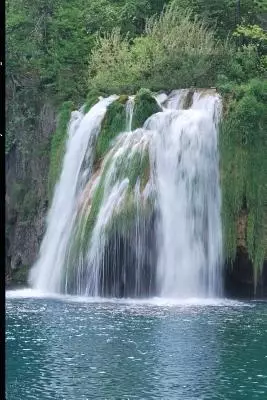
(73, 348)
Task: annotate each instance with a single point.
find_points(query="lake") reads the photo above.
(77, 348)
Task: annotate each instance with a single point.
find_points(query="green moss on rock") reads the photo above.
(145, 105)
(243, 149)
(113, 123)
(130, 214)
(133, 165)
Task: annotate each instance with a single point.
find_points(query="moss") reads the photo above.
(122, 220)
(125, 160)
(113, 123)
(125, 219)
(243, 149)
(87, 219)
(145, 106)
(131, 165)
(123, 99)
(139, 167)
(58, 146)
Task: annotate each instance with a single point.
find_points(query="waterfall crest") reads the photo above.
(146, 222)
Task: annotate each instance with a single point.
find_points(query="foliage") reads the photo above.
(224, 15)
(58, 146)
(253, 35)
(174, 52)
(243, 147)
(244, 65)
(253, 32)
(145, 105)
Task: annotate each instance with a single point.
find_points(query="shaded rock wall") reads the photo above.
(239, 279)
(27, 197)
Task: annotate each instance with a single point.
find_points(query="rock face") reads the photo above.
(239, 279)
(26, 198)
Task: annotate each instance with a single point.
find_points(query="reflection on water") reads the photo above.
(63, 349)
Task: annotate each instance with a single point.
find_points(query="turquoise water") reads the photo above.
(70, 348)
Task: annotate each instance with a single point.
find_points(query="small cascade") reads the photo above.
(119, 236)
(145, 220)
(47, 272)
(178, 99)
(129, 113)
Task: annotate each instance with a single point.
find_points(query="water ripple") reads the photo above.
(57, 348)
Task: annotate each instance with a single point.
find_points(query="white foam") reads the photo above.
(154, 301)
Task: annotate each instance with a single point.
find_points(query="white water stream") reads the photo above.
(46, 273)
(189, 201)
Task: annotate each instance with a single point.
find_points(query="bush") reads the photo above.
(174, 52)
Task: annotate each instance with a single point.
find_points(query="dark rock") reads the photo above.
(26, 198)
(239, 278)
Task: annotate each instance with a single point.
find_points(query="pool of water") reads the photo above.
(75, 348)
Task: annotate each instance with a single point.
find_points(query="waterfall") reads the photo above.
(189, 228)
(146, 221)
(129, 113)
(46, 273)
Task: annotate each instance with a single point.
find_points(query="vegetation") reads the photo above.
(113, 123)
(173, 52)
(145, 105)
(243, 147)
(127, 161)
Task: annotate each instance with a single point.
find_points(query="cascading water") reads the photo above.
(129, 113)
(46, 273)
(147, 220)
(189, 228)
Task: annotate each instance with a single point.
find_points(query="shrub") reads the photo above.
(174, 52)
